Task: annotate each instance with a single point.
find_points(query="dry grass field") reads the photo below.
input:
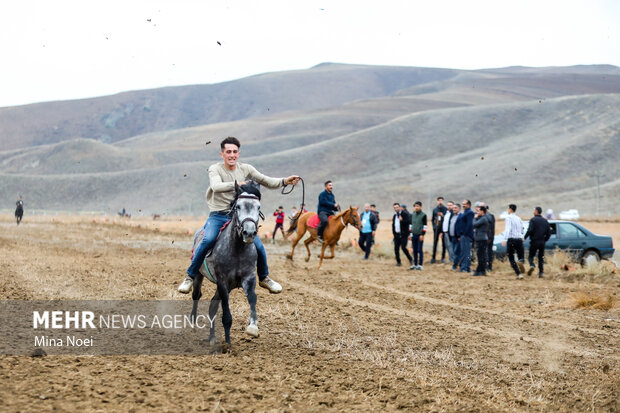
(355, 336)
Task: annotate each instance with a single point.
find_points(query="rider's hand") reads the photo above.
(337, 206)
(292, 180)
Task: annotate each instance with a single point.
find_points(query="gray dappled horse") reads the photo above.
(232, 262)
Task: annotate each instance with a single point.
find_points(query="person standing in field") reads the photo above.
(465, 233)
(437, 220)
(490, 253)
(418, 230)
(513, 241)
(400, 232)
(481, 238)
(539, 232)
(373, 208)
(445, 229)
(279, 214)
(367, 230)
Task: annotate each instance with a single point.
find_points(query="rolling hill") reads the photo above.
(531, 136)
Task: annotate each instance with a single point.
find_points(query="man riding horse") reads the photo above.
(327, 206)
(221, 191)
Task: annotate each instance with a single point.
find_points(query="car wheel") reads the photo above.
(590, 257)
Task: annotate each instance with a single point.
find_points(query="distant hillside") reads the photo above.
(113, 118)
(531, 136)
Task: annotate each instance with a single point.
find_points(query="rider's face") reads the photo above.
(230, 154)
(329, 187)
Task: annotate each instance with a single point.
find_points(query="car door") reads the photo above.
(572, 239)
(552, 243)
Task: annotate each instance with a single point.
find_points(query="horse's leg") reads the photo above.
(307, 244)
(249, 284)
(213, 306)
(301, 230)
(331, 248)
(196, 294)
(226, 317)
(322, 254)
(299, 235)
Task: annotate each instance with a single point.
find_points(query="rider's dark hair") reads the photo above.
(232, 140)
(512, 207)
(327, 182)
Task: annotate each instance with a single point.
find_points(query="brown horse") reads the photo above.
(332, 232)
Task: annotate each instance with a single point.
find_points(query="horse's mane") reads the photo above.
(341, 213)
(251, 187)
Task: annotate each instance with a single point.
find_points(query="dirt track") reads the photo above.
(358, 335)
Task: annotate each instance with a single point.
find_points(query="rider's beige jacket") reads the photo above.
(221, 189)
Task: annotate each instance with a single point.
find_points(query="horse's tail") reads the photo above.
(294, 221)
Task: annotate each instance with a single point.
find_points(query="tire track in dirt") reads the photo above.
(445, 321)
(515, 317)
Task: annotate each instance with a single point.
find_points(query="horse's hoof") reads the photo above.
(252, 330)
(289, 256)
(307, 259)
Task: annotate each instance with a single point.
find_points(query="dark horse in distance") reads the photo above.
(232, 262)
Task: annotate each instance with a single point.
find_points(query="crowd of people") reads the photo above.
(460, 230)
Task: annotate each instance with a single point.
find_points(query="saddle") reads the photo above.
(314, 221)
(204, 269)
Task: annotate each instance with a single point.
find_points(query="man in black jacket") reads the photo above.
(491, 233)
(400, 231)
(539, 232)
(438, 215)
(481, 238)
(327, 206)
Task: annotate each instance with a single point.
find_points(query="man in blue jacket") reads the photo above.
(465, 233)
(327, 206)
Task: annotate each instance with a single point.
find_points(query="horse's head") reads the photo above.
(353, 217)
(246, 210)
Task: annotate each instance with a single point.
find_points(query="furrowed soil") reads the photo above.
(355, 336)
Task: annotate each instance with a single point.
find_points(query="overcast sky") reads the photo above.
(61, 49)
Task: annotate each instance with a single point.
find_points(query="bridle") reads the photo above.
(349, 218)
(238, 225)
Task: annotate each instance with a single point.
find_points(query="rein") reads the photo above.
(303, 192)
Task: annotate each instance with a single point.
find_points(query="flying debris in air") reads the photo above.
(219, 43)
(148, 20)
(207, 142)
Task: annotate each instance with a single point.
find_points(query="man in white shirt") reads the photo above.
(513, 239)
(445, 231)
